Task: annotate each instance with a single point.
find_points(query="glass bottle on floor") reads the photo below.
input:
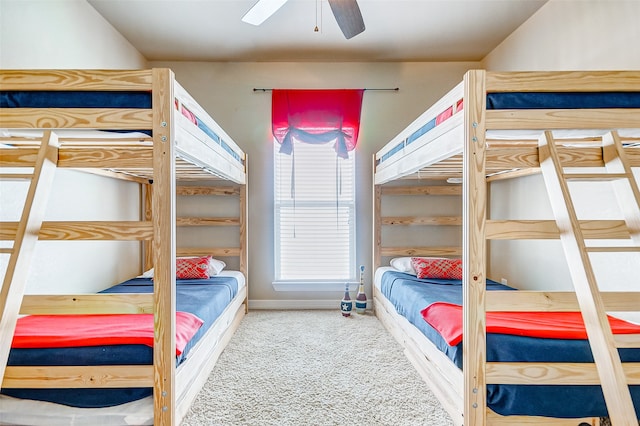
(361, 297)
(347, 304)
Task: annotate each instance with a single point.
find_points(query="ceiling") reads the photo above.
(396, 30)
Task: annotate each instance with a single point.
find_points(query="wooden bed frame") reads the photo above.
(460, 149)
(178, 152)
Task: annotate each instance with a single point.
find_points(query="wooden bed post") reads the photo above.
(147, 245)
(164, 248)
(377, 238)
(244, 242)
(474, 207)
(377, 231)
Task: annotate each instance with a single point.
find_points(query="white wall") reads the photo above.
(226, 91)
(61, 34)
(70, 34)
(573, 35)
(563, 35)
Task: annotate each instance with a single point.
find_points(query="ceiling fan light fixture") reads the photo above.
(346, 12)
(348, 16)
(262, 10)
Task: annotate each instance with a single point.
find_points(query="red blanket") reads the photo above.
(446, 318)
(58, 331)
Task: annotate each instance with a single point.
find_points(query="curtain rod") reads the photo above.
(395, 89)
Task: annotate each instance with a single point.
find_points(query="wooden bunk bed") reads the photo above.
(466, 137)
(177, 150)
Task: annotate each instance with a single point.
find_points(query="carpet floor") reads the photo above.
(314, 368)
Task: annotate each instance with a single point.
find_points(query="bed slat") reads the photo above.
(130, 303)
(76, 118)
(122, 80)
(86, 230)
(108, 376)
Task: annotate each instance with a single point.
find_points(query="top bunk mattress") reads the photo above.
(101, 99)
(203, 149)
(579, 108)
(531, 100)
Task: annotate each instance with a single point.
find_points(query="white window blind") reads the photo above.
(314, 215)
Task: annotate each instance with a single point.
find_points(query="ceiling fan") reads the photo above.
(346, 12)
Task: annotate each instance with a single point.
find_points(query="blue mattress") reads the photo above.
(409, 295)
(562, 100)
(74, 99)
(205, 298)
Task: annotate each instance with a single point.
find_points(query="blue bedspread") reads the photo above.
(205, 298)
(410, 295)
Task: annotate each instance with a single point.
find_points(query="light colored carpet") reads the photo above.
(314, 368)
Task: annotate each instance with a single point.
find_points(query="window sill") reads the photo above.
(313, 286)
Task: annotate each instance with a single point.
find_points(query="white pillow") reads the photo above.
(146, 274)
(403, 264)
(215, 267)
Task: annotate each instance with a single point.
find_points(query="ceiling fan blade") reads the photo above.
(262, 10)
(348, 16)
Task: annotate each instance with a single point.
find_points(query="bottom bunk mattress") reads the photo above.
(411, 295)
(205, 299)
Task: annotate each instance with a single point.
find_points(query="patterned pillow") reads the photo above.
(192, 268)
(437, 267)
(215, 267)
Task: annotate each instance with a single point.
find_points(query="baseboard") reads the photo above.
(294, 304)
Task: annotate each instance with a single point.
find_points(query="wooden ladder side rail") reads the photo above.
(610, 370)
(21, 255)
(628, 196)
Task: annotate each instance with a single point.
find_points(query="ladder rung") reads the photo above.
(16, 176)
(6, 250)
(595, 176)
(612, 249)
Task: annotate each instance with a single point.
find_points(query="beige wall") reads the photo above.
(61, 34)
(226, 91)
(573, 35)
(563, 35)
(70, 34)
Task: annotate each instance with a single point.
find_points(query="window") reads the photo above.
(314, 215)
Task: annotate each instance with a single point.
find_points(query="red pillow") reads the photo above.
(192, 268)
(437, 267)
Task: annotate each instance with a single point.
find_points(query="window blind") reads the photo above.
(314, 214)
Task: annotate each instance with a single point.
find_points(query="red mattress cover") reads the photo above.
(57, 331)
(446, 318)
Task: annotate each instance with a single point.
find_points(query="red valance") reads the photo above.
(317, 116)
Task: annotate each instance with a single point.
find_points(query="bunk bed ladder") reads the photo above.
(617, 170)
(26, 236)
